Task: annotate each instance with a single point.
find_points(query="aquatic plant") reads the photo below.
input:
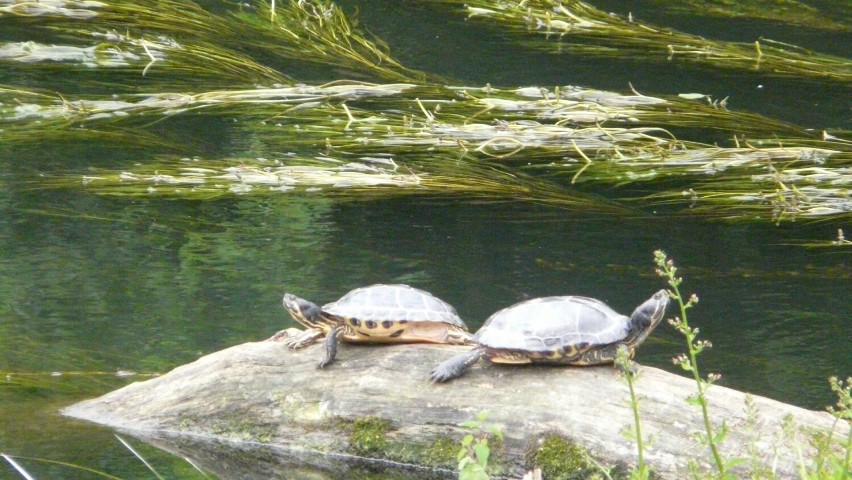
(577, 27)
(416, 136)
(788, 12)
(184, 40)
(449, 150)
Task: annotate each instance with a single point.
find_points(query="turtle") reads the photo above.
(570, 330)
(375, 314)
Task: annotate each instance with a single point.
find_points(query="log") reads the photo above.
(264, 402)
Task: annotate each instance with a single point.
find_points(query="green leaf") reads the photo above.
(482, 453)
(720, 435)
(495, 430)
(694, 400)
(473, 472)
(482, 416)
(467, 440)
(462, 454)
(472, 424)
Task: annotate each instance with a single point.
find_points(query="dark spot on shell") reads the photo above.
(355, 322)
(397, 333)
(403, 322)
(387, 324)
(370, 324)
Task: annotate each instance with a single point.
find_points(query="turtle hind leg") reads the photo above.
(331, 341)
(455, 366)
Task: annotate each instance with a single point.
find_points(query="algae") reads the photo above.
(559, 458)
(368, 436)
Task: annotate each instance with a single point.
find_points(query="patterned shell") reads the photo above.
(549, 323)
(394, 303)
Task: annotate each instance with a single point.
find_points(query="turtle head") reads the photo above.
(647, 316)
(305, 312)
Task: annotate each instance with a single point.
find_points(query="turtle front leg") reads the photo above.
(294, 338)
(282, 335)
(331, 341)
(628, 366)
(609, 354)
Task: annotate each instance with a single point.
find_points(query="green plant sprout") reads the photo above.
(475, 452)
(629, 371)
(827, 464)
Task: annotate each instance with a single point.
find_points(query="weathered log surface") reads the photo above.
(265, 396)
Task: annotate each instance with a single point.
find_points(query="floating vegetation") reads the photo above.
(305, 96)
(414, 135)
(789, 194)
(577, 27)
(51, 373)
(472, 140)
(245, 177)
(838, 241)
(400, 103)
(79, 9)
(105, 41)
(359, 178)
(790, 12)
(180, 37)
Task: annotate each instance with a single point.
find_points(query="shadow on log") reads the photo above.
(259, 409)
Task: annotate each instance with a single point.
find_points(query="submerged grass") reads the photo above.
(788, 12)
(67, 467)
(356, 139)
(182, 40)
(353, 178)
(577, 27)
(475, 141)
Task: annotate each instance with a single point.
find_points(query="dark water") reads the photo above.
(92, 284)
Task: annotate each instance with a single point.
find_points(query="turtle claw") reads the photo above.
(295, 338)
(284, 335)
(455, 366)
(441, 374)
(330, 347)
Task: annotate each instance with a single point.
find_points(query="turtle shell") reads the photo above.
(393, 303)
(550, 325)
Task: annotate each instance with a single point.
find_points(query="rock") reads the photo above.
(374, 406)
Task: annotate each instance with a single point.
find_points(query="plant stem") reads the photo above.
(668, 270)
(640, 467)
